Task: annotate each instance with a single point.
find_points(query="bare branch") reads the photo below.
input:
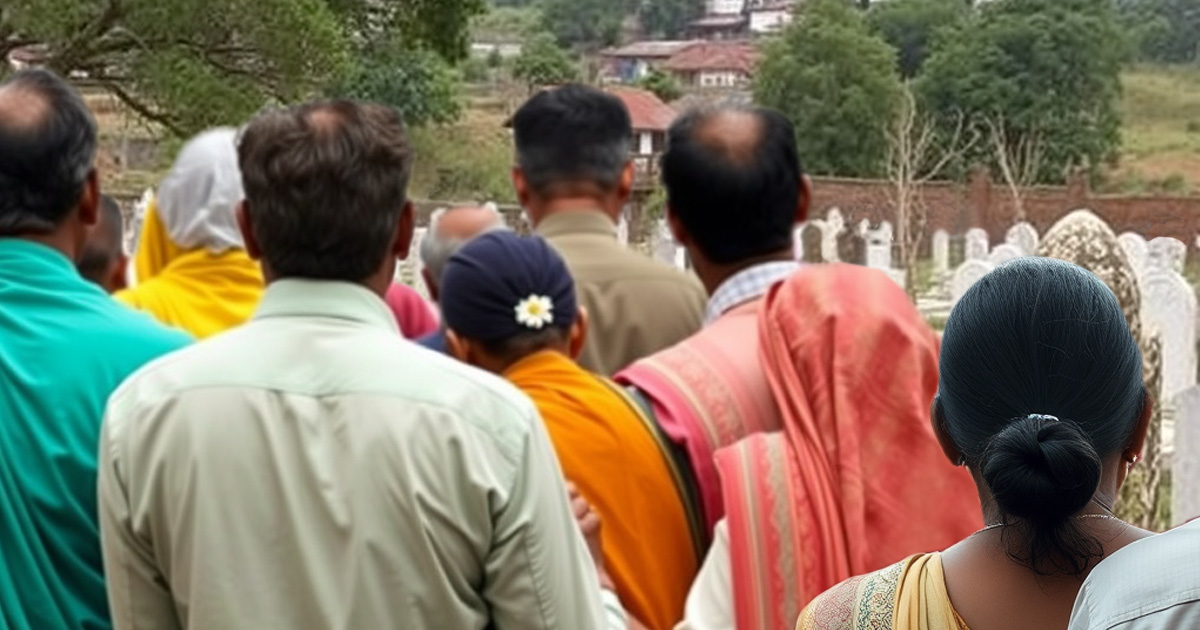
(142, 109)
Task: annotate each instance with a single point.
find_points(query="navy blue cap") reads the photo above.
(500, 285)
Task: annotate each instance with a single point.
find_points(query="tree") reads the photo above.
(669, 19)
(910, 26)
(420, 84)
(191, 64)
(542, 62)
(1048, 69)
(1166, 31)
(837, 83)
(585, 24)
(1018, 158)
(662, 84)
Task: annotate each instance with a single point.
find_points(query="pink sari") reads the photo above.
(856, 480)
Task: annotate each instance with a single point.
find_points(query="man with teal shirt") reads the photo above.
(64, 347)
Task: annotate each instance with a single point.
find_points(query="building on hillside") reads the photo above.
(720, 27)
(714, 65)
(628, 64)
(770, 16)
(651, 118)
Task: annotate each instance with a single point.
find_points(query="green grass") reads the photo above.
(1161, 132)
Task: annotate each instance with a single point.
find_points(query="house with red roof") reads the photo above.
(714, 65)
(651, 118)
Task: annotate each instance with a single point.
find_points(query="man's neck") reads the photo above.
(58, 240)
(713, 275)
(540, 211)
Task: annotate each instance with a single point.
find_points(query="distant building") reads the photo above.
(770, 16)
(651, 118)
(630, 63)
(720, 26)
(714, 65)
(734, 19)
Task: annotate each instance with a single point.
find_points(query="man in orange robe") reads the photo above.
(510, 308)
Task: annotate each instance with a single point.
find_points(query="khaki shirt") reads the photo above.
(313, 470)
(637, 305)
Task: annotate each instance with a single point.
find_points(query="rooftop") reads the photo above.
(720, 21)
(662, 49)
(646, 110)
(738, 56)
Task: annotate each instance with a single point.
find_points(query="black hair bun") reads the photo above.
(1041, 469)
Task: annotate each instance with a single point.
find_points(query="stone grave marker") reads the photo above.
(941, 253)
(1004, 253)
(977, 244)
(1136, 249)
(811, 239)
(1166, 253)
(1185, 461)
(1024, 236)
(967, 275)
(1169, 304)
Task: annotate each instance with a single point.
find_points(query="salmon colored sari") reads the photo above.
(856, 480)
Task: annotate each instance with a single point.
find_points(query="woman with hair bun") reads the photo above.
(1041, 399)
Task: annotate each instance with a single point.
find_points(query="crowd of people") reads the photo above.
(265, 430)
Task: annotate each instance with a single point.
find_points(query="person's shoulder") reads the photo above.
(865, 598)
(135, 331)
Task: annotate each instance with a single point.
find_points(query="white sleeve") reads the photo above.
(710, 602)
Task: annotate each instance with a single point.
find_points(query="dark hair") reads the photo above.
(1040, 379)
(572, 134)
(513, 349)
(325, 185)
(104, 244)
(46, 155)
(736, 197)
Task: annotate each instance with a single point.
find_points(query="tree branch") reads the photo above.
(142, 109)
(79, 49)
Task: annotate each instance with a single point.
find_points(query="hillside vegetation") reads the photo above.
(1161, 131)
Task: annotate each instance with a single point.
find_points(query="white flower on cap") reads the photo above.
(535, 311)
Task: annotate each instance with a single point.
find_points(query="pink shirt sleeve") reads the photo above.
(415, 315)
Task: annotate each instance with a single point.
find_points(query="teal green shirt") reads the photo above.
(64, 347)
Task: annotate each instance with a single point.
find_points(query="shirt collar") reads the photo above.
(748, 284)
(575, 222)
(32, 250)
(295, 297)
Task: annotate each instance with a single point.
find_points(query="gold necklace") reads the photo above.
(1106, 516)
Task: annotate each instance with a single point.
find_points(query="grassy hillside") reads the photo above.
(1162, 131)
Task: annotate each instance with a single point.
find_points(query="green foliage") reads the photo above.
(191, 64)
(1046, 69)
(418, 83)
(542, 62)
(463, 161)
(837, 82)
(911, 26)
(1162, 30)
(506, 24)
(669, 19)
(585, 24)
(664, 86)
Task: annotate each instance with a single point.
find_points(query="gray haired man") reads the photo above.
(449, 230)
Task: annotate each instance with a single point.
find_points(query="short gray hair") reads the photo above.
(437, 250)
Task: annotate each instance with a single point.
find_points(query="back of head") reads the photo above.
(197, 201)
(47, 148)
(572, 135)
(512, 294)
(733, 179)
(1040, 380)
(325, 187)
(451, 228)
(105, 244)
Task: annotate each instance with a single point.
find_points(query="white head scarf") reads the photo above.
(197, 200)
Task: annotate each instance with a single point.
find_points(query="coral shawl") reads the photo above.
(608, 451)
(856, 480)
(196, 290)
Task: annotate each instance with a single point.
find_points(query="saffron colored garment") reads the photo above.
(413, 313)
(608, 450)
(199, 291)
(64, 347)
(910, 595)
(856, 479)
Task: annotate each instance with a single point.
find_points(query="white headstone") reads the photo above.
(1185, 461)
(681, 260)
(886, 232)
(829, 239)
(835, 219)
(623, 230)
(977, 244)
(1136, 249)
(1169, 305)
(798, 241)
(1166, 254)
(941, 252)
(1004, 253)
(879, 247)
(967, 275)
(864, 226)
(1024, 236)
(664, 243)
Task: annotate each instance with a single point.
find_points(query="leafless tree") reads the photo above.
(1018, 156)
(918, 152)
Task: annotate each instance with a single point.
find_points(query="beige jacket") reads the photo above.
(637, 306)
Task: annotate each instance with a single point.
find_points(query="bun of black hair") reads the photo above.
(1041, 469)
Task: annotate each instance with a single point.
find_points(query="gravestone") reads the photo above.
(851, 248)
(1024, 236)
(864, 226)
(409, 269)
(1166, 253)
(681, 258)
(977, 244)
(1004, 253)
(885, 232)
(941, 253)
(1136, 249)
(879, 247)
(1185, 461)
(1169, 304)
(798, 242)
(967, 275)
(829, 241)
(835, 220)
(811, 238)
(664, 243)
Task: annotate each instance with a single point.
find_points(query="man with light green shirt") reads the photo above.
(313, 470)
(64, 347)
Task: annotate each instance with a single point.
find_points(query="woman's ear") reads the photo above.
(577, 336)
(938, 418)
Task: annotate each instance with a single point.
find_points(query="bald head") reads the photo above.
(47, 147)
(449, 230)
(734, 182)
(103, 258)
